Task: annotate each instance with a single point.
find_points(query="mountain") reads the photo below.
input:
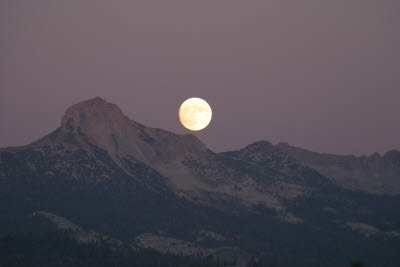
(374, 174)
(105, 178)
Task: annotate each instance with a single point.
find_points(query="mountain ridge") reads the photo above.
(121, 179)
(105, 126)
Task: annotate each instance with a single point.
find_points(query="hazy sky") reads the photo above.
(323, 75)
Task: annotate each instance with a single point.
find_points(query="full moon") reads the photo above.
(195, 114)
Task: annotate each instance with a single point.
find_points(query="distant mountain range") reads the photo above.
(108, 179)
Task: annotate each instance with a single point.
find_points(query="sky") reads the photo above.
(322, 75)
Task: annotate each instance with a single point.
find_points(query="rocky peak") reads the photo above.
(104, 125)
(92, 113)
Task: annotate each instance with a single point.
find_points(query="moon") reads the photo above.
(195, 114)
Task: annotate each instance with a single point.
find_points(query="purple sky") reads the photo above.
(322, 75)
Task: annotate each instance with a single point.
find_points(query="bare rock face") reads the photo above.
(104, 125)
